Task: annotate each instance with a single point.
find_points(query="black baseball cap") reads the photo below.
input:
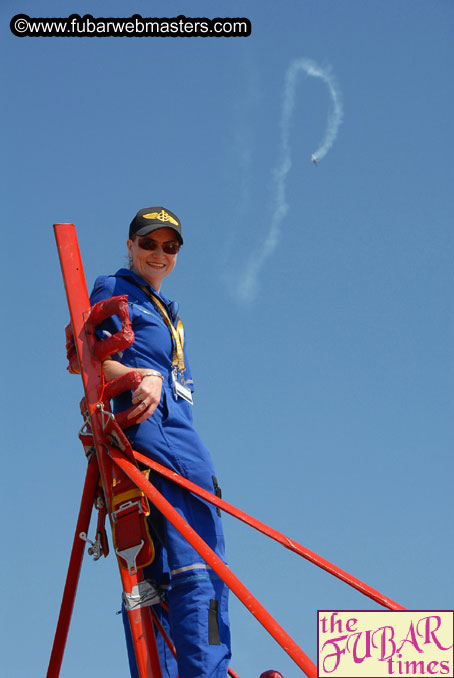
(151, 218)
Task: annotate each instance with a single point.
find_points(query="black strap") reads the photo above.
(213, 624)
(217, 492)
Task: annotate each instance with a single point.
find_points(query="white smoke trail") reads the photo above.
(248, 287)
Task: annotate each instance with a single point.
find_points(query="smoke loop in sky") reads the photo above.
(248, 286)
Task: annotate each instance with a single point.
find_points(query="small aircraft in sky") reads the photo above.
(314, 160)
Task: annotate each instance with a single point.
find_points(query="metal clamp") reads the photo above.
(106, 416)
(95, 549)
(86, 425)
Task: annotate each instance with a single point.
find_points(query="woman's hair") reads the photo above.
(130, 259)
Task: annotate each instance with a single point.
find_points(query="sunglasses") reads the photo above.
(170, 247)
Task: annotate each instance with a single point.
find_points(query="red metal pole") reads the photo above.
(163, 632)
(79, 306)
(75, 564)
(93, 382)
(270, 532)
(142, 632)
(238, 588)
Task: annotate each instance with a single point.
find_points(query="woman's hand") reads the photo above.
(146, 397)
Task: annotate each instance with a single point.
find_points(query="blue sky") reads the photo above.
(326, 399)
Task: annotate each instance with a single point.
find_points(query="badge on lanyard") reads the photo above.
(179, 389)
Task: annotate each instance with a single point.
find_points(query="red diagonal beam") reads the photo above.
(235, 585)
(273, 534)
(75, 564)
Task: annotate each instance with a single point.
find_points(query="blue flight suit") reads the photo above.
(198, 598)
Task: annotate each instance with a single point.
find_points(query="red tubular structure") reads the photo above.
(235, 585)
(75, 564)
(273, 534)
(93, 381)
(113, 455)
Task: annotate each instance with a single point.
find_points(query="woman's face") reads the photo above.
(153, 265)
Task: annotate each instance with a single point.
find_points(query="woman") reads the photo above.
(197, 597)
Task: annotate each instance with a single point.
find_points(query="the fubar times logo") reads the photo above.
(378, 644)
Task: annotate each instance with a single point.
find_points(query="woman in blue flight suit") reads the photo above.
(198, 616)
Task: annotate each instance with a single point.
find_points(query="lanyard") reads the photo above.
(176, 332)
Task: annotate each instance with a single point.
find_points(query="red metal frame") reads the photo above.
(112, 449)
(290, 544)
(93, 381)
(235, 585)
(75, 564)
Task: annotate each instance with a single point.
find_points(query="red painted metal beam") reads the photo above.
(93, 381)
(79, 306)
(235, 585)
(142, 633)
(273, 534)
(75, 564)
